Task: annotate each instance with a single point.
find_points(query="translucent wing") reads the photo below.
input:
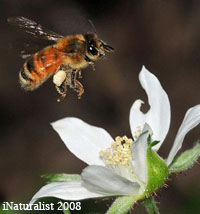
(26, 46)
(33, 28)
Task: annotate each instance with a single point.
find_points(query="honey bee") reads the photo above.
(64, 59)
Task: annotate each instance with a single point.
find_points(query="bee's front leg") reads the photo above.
(90, 62)
(92, 65)
(75, 84)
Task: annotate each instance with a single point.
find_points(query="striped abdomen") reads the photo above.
(39, 67)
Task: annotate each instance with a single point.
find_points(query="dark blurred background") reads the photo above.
(162, 35)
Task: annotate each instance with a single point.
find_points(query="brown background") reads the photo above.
(162, 35)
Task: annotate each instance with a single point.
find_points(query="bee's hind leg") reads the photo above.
(62, 90)
(60, 81)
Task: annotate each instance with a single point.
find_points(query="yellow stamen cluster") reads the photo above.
(120, 151)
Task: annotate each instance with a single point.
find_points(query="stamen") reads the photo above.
(120, 152)
(138, 132)
(119, 158)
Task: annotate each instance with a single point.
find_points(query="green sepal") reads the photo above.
(61, 177)
(157, 170)
(154, 143)
(185, 160)
(122, 205)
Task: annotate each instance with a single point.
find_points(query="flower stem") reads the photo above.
(66, 211)
(151, 206)
(122, 205)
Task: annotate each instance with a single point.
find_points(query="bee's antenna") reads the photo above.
(93, 27)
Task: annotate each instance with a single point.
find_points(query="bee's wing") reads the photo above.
(26, 46)
(33, 28)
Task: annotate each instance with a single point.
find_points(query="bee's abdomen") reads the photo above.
(39, 67)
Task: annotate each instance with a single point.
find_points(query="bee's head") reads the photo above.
(96, 48)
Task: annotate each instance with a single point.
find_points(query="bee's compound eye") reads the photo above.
(92, 50)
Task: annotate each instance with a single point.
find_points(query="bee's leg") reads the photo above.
(79, 88)
(92, 65)
(62, 90)
(73, 78)
(60, 81)
(90, 62)
(75, 84)
(79, 74)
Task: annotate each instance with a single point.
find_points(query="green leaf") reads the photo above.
(185, 160)
(157, 171)
(61, 177)
(150, 205)
(122, 205)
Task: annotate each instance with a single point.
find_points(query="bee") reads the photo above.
(64, 59)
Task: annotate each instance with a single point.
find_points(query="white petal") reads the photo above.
(69, 190)
(105, 181)
(139, 153)
(191, 119)
(83, 140)
(159, 115)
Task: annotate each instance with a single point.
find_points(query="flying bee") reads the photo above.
(64, 59)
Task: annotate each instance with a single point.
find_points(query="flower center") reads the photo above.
(119, 158)
(120, 152)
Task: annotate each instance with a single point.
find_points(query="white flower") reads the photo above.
(122, 166)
